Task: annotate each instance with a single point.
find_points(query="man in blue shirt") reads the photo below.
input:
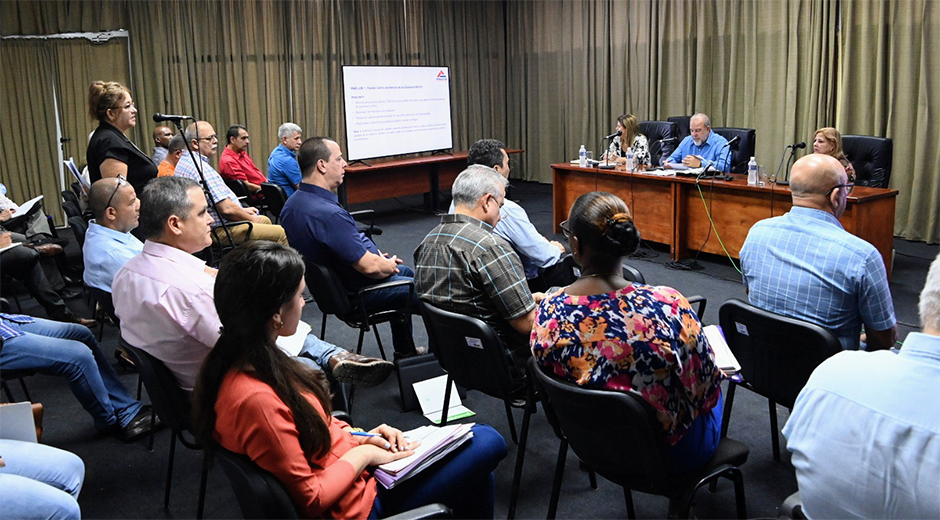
(326, 234)
(109, 243)
(865, 432)
(805, 265)
(702, 148)
(283, 169)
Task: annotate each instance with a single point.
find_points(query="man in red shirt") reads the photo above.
(235, 162)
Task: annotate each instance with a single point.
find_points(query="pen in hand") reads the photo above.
(367, 434)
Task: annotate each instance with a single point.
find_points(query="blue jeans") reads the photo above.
(70, 350)
(317, 353)
(39, 481)
(396, 298)
(463, 480)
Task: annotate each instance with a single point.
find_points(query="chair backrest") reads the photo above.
(470, 351)
(259, 493)
(777, 353)
(615, 433)
(79, 228)
(71, 209)
(171, 402)
(327, 290)
(682, 125)
(70, 196)
(239, 187)
(105, 301)
(275, 196)
(656, 130)
(632, 274)
(871, 157)
(743, 150)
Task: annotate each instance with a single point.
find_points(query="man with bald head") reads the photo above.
(701, 148)
(109, 243)
(161, 143)
(805, 265)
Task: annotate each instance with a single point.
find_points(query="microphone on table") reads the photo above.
(159, 118)
(720, 175)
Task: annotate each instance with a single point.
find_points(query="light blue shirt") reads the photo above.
(105, 252)
(708, 152)
(533, 249)
(805, 265)
(865, 434)
(283, 169)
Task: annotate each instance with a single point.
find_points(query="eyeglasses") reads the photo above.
(121, 182)
(210, 138)
(564, 229)
(126, 106)
(848, 188)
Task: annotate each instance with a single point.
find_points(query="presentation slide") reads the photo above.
(396, 110)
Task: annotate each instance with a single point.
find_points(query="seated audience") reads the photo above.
(161, 142)
(30, 226)
(541, 258)
(109, 243)
(828, 140)
(32, 229)
(164, 300)
(70, 350)
(865, 432)
(39, 481)
(110, 153)
(702, 148)
(253, 399)
(235, 162)
(464, 267)
(630, 138)
(803, 264)
(326, 234)
(205, 143)
(604, 332)
(175, 150)
(283, 169)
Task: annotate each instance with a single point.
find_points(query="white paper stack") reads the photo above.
(436, 442)
(723, 355)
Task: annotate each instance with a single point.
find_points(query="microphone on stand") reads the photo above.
(793, 148)
(607, 165)
(730, 142)
(618, 133)
(159, 118)
(798, 146)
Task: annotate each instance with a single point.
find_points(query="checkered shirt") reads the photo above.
(186, 168)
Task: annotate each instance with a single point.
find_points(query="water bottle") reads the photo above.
(752, 172)
(582, 157)
(631, 160)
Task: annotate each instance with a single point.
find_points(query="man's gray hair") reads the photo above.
(287, 130)
(708, 121)
(930, 299)
(474, 182)
(162, 198)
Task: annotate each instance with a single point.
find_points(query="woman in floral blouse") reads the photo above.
(604, 332)
(629, 128)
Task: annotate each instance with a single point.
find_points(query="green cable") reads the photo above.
(712, 223)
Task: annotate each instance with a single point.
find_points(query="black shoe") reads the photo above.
(139, 426)
(418, 351)
(70, 294)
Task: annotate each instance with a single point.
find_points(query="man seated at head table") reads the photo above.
(865, 432)
(204, 143)
(176, 149)
(109, 243)
(702, 148)
(164, 296)
(464, 267)
(803, 264)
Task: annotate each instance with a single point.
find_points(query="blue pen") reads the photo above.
(364, 434)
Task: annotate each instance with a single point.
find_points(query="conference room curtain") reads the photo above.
(889, 87)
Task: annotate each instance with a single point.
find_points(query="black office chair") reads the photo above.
(683, 124)
(72, 210)
(871, 157)
(173, 405)
(105, 309)
(617, 435)
(70, 196)
(275, 197)
(777, 354)
(743, 150)
(79, 228)
(477, 359)
(655, 131)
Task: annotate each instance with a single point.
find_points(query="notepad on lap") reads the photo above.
(724, 358)
(436, 442)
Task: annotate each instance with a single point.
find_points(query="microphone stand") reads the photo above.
(786, 181)
(720, 175)
(606, 165)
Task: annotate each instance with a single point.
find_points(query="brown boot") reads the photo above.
(347, 367)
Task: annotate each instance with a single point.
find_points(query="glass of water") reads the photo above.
(761, 175)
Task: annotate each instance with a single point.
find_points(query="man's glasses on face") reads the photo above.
(848, 188)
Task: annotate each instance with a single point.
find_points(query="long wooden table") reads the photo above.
(670, 210)
(397, 177)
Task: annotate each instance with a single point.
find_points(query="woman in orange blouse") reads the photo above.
(253, 399)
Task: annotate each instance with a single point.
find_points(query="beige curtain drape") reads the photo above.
(546, 76)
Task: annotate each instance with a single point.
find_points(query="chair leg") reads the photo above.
(153, 419)
(556, 482)
(25, 390)
(378, 340)
(446, 401)
(512, 422)
(169, 472)
(520, 454)
(140, 387)
(738, 478)
(774, 432)
(202, 485)
(628, 498)
(362, 333)
(323, 328)
(726, 413)
(592, 478)
(6, 390)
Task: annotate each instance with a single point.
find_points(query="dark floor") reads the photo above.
(126, 481)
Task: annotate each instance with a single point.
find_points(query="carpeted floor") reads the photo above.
(127, 481)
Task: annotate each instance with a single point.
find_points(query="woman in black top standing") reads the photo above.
(110, 153)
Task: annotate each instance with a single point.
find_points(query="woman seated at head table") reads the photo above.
(629, 128)
(828, 140)
(253, 399)
(110, 153)
(604, 332)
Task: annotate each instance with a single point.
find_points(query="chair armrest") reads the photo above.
(370, 228)
(342, 416)
(385, 285)
(420, 513)
(701, 301)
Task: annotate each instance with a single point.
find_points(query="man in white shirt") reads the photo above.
(109, 243)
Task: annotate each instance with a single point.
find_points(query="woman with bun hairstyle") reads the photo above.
(254, 399)
(606, 333)
(828, 140)
(110, 153)
(630, 137)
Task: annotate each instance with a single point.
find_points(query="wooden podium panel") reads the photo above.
(670, 210)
